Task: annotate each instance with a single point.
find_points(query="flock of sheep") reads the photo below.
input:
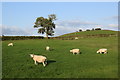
(43, 59)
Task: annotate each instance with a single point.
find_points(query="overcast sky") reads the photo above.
(18, 17)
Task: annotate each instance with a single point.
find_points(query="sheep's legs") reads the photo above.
(105, 52)
(73, 53)
(35, 63)
(46, 62)
(43, 64)
(78, 53)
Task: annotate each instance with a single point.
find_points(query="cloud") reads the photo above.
(68, 26)
(16, 31)
(110, 27)
(113, 25)
(74, 23)
(63, 30)
(62, 27)
(112, 18)
(60, 30)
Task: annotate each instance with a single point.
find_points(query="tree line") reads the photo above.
(20, 37)
(89, 29)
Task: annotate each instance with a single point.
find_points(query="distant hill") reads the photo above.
(95, 32)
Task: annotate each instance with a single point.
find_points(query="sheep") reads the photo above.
(47, 48)
(39, 59)
(102, 51)
(75, 51)
(76, 38)
(10, 44)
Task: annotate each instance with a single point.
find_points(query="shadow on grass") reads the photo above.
(78, 54)
(52, 49)
(50, 61)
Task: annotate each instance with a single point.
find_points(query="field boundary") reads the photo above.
(85, 36)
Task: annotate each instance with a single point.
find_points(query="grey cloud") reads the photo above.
(15, 31)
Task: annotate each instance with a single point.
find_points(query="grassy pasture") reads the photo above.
(61, 63)
(83, 33)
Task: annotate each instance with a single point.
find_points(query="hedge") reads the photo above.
(21, 37)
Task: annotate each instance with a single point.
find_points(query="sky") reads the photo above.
(18, 17)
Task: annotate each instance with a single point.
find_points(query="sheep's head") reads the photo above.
(31, 55)
(71, 51)
(98, 51)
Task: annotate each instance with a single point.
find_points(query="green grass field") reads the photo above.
(61, 63)
(90, 33)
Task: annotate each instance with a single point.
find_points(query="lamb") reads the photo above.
(75, 51)
(102, 51)
(47, 48)
(10, 44)
(76, 38)
(39, 59)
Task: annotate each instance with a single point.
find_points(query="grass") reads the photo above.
(61, 63)
(90, 33)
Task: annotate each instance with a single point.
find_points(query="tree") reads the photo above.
(98, 29)
(2, 35)
(46, 25)
(80, 30)
(93, 29)
(88, 30)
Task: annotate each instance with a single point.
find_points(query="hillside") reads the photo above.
(85, 33)
(61, 63)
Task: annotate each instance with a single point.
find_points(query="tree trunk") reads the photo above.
(46, 35)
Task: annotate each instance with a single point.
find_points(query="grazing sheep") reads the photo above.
(39, 59)
(102, 51)
(76, 38)
(47, 48)
(10, 44)
(75, 51)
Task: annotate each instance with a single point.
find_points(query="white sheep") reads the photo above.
(39, 59)
(10, 44)
(75, 51)
(102, 51)
(76, 38)
(47, 48)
